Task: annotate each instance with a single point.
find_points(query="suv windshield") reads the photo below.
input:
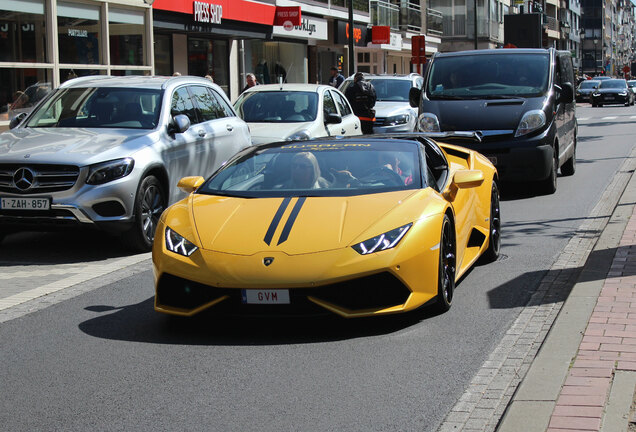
(320, 169)
(589, 84)
(488, 75)
(278, 106)
(101, 107)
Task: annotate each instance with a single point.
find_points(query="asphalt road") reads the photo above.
(106, 361)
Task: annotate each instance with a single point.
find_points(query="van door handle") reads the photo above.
(343, 131)
(229, 128)
(356, 125)
(201, 133)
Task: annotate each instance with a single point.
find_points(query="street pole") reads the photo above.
(475, 24)
(350, 36)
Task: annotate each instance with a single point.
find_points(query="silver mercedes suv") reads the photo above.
(107, 152)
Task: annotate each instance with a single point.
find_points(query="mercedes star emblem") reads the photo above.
(23, 178)
(267, 261)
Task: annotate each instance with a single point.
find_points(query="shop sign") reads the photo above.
(396, 41)
(380, 34)
(78, 33)
(207, 12)
(309, 28)
(236, 10)
(287, 15)
(342, 33)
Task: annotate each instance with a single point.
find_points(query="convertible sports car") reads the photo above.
(358, 227)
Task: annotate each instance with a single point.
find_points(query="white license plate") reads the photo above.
(493, 160)
(609, 98)
(265, 296)
(30, 203)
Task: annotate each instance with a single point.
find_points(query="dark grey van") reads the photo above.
(521, 101)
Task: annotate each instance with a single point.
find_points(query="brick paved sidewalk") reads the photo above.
(607, 349)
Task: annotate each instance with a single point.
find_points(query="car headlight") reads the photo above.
(623, 94)
(382, 242)
(531, 121)
(108, 171)
(397, 120)
(596, 94)
(299, 136)
(428, 122)
(178, 244)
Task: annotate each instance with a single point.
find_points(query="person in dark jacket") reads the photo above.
(336, 77)
(361, 96)
(250, 80)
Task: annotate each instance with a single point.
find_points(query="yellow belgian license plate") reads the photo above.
(31, 203)
(259, 296)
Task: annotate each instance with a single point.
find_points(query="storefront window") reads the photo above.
(78, 33)
(126, 36)
(271, 61)
(209, 57)
(21, 89)
(163, 54)
(22, 31)
(67, 74)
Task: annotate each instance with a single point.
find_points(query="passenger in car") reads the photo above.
(305, 173)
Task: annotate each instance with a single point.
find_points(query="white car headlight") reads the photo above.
(108, 171)
(397, 120)
(178, 244)
(382, 242)
(299, 136)
(530, 122)
(428, 122)
(596, 94)
(623, 93)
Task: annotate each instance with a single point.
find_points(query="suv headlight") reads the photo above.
(382, 242)
(178, 244)
(530, 122)
(108, 171)
(299, 136)
(428, 122)
(397, 120)
(623, 93)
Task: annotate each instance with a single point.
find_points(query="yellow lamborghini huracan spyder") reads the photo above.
(357, 227)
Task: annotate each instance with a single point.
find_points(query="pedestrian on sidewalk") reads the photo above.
(336, 77)
(250, 80)
(362, 97)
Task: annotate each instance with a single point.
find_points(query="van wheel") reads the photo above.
(549, 185)
(150, 202)
(569, 167)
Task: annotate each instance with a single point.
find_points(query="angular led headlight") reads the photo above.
(623, 93)
(530, 122)
(428, 122)
(397, 120)
(108, 171)
(299, 136)
(382, 242)
(179, 244)
(596, 94)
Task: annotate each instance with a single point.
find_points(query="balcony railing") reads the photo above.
(434, 22)
(359, 5)
(384, 13)
(410, 16)
(454, 25)
(550, 23)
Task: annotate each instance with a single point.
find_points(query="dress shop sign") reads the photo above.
(210, 13)
(309, 28)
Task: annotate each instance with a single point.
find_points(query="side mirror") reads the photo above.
(414, 96)
(180, 123)
(463, 179)
(190, 184)
(17, 120)
(333, 119)
(567, 93)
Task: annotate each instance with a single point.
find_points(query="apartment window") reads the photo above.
(79, 33)
(126, 36)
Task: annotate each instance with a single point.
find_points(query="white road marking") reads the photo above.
(584, 118)
(610, 118)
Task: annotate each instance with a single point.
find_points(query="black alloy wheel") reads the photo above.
(494, 240)
(549, 185)
(447, 262)
(150, 202)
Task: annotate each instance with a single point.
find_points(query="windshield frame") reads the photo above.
(419, 179)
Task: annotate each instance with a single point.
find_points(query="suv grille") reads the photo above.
(33, 179)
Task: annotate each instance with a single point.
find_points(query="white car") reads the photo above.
(279, 112)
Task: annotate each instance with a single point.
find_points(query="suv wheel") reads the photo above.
(150, 202)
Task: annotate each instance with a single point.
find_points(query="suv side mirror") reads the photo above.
(567, 93)
(414, 96)
(17, 120)
(333, 119)
(180, 123)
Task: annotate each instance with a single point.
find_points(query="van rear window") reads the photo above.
(488, 75)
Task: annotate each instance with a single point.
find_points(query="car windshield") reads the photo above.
(588, 84)
(388, 90)
(488, 75)
(320, 169)
(101, 107)
(631, 83)
(613, 84)
(277, 106)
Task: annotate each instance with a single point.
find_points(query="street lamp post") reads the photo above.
(595, 61)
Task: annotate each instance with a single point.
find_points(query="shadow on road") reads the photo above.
(140, 323)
